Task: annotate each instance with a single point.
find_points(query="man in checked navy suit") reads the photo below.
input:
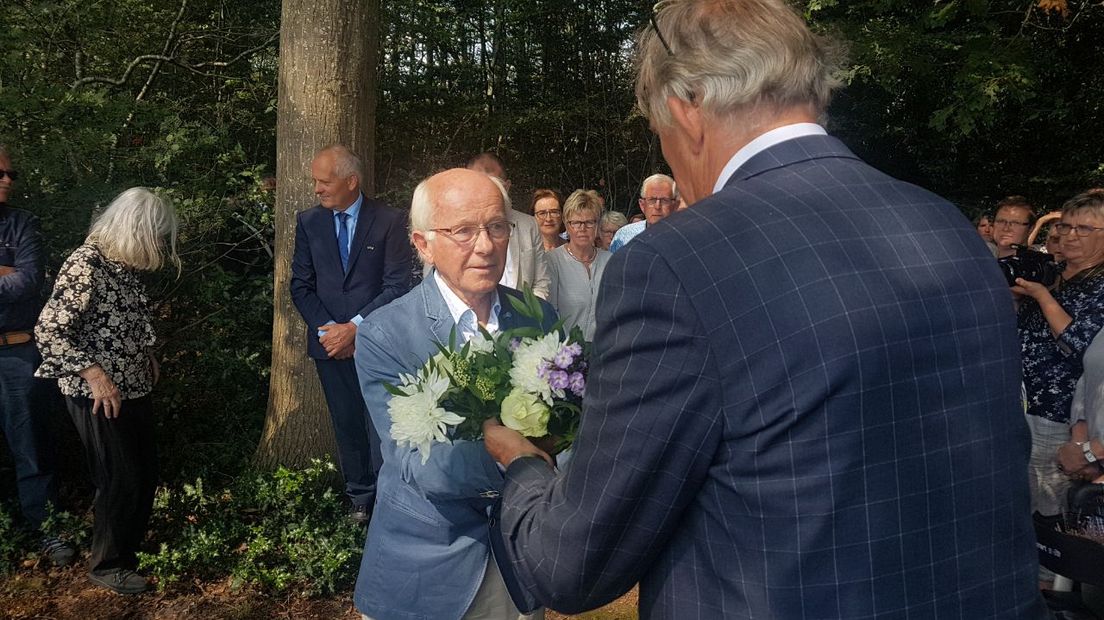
(351, 257)
(797, 407)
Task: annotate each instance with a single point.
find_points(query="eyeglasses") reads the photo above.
(655, 201)
(659, 35)
(583, 224)
(11, 174)
(551, 214)
(1082, 229)
(497, 231)
(1010, 223)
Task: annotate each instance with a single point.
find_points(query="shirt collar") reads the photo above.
(462, 314)
(354, 210)
(762, 143)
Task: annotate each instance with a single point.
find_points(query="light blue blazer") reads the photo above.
(433, 523)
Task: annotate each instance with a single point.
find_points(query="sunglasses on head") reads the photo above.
(11, 174)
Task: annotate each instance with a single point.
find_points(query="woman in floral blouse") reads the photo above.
(96, 339)
(1055, 329)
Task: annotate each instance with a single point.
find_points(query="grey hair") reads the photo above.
(616, 218)
(137, 229)
(733, 57)
(582, 200)
(657, 178)
(346, 162)
(1091, 201)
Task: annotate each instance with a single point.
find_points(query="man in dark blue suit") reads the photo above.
(798, 408)
(351, 257)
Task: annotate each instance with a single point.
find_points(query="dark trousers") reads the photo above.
(122, 460)
(358, 445)
(25, 428)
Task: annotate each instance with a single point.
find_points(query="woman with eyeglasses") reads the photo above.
(1056, 327)
(1011, 224)
(576, 267)
(608, 225)
(546, 210)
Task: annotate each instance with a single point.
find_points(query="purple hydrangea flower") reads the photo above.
(558, 379)
(542, 370)
(514, 344)
(575, 348)
(564, 358)
(577, 384)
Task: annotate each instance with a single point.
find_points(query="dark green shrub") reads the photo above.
(279, 530)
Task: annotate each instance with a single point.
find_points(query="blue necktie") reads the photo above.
(343, 240)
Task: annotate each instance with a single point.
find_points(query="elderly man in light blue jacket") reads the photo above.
(429, 549)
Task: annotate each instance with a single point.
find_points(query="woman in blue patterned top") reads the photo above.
(1055, 329)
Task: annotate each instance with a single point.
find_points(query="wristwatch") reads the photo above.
(1086, 449)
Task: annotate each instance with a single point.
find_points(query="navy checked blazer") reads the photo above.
(804, 405)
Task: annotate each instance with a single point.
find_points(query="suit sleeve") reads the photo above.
(458, 471)
(304, 279)
(397, 266)
(25, 282)
(651, 425)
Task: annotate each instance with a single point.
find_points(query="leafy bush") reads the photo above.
(279, 530)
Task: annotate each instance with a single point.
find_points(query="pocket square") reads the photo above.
(369, 247)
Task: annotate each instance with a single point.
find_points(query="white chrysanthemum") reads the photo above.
(527, 360)
(480, 344)
(417, 420)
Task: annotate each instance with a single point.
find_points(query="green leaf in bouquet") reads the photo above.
(393, 390)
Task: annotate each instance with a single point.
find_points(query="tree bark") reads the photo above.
(327, 95)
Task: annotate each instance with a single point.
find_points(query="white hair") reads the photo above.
(423, 206)
(657, 178)
(733, 57)
(137, 229)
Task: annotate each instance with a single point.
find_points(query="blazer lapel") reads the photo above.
(326, 231)
(360, 234)
(436, 310)
(515, 246)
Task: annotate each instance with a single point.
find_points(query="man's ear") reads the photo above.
(418, 238)
(688, 121)
(353, 183)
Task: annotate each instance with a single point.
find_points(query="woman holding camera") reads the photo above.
(1056, 327)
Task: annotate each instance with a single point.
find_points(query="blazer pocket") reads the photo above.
(405, 507)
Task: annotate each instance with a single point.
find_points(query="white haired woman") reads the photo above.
(576, 267)
(96, 339)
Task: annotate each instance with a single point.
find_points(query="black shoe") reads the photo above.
(361, 514)
(121, 580)
(57, 551)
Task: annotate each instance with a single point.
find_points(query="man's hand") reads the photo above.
(6, 271)
(1070, 458)
(338, 339)
(504, 444)
(105, 394)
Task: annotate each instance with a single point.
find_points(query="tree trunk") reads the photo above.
(327, 95)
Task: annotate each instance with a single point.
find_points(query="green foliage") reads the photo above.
(278, 530)
(13, 541)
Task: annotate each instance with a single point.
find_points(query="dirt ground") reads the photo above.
(34, 592)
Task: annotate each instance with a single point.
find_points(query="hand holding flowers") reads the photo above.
(530, 379)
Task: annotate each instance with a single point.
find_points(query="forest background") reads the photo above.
(972, 99)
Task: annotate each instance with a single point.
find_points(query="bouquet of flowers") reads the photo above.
(532, 380)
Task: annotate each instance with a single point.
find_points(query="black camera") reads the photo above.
(1030, 265)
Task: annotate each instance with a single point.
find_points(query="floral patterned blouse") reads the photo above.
(98, 313)
(1052, 366)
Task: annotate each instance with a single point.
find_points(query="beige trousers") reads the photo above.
(492, 600)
